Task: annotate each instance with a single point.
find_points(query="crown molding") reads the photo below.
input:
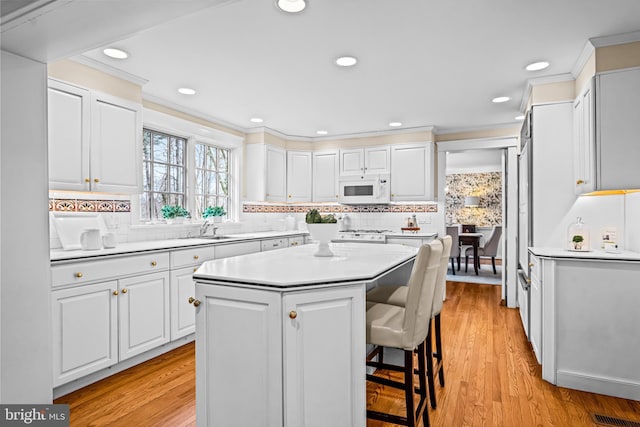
(447, 131)
(586, 53)
(108, 69)
(531, 83)
(339, 136)
(615, 39)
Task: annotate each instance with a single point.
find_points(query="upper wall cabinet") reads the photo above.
(298, 176)
(360, 161)
(95, 141)
(325, 176)
(265, 173)
(617, 99)
(412, 172)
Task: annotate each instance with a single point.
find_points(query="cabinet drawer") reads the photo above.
(193, 256)
(110, 268)
(235, 249)
(268, 245)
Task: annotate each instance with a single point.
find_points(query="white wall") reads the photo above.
(25, 369)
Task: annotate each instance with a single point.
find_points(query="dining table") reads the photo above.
(473, 240)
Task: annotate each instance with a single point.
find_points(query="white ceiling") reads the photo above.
(424, 63)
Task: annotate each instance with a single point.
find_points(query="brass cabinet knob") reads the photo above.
(195, 269)
(293, 314)
(294, 243)
(79, 274)
(96, 180)
(529, 281)
(196, 257)
(153, 263)
(196, 303)
(124, 291)
(393, 195)
(115, 292)
(87, 180)
(289, 195)
(191, 300)
(337, 196)
(530, 264)
(578, 182)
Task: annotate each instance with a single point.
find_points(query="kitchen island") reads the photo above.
(280, 336)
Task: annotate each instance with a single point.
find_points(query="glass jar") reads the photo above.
(578, 236)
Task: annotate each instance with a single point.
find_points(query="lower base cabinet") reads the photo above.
(183, 314)
(270, 358)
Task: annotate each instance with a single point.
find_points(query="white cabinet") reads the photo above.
(412, 172)
(325, 176)
(617, 111)
(271, 244)
(369, 160)
(69, 135)
(235, 249)
(95, 141)
(143, 313)
(265, 173)
(535, 308)
(85, 330)
(267, 337)
(299, 176)
(584, 142)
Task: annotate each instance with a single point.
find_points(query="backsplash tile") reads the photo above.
(79, 203)
(303, 208)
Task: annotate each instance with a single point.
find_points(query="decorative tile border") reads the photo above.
(286, 208)
(88, 205)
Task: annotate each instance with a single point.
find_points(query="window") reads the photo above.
(212, 177)
(182, 172)
(164, 170)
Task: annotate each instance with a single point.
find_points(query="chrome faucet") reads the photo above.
(205, 226)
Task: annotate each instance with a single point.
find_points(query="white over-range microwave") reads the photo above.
(359, 189)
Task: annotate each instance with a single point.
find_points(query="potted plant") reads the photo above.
(214, 212)
(174, 214)
(322, 229)
(577, 242)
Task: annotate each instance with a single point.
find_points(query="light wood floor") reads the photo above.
(492, 379)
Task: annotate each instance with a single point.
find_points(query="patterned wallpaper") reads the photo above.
(487, 186)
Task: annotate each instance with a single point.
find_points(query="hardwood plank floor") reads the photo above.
(492, 379)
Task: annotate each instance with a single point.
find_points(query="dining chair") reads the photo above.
(489, 249)
(407, 328)
(453, 231)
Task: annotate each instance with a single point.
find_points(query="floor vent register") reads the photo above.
(606, 420)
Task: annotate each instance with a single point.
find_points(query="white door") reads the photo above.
(143, 313)
(238, 357)
(85, 330)
(412, 172)
(299, 176)
(324, 358)
(276, 169)
(68, 132)
(325, 176)
(183, 314)
(376, 159)
(116, 145)
(352, 162)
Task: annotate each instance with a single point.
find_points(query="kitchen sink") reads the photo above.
(216, 237)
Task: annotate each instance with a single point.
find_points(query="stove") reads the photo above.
(363, 236)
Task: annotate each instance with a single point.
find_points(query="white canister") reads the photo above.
(90, 239)
(109, 240)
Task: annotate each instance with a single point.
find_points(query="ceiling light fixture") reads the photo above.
(322, 132)
(114, 53)
(256, 120)
(187, 91)
(500, 99)
(537, 66)
(346, 61)
(395, 124)
(291, 6)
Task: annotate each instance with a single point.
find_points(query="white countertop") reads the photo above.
(411, 235)
(584, 255)
(296, 266)
(154, 245)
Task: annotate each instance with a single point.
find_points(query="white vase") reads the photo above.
(323, 234)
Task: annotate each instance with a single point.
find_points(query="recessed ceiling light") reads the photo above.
(291, 6)
(500, 99)
(346, 61)
(322, 132)
(395, 124)
(520, 117)
(537, 66)
(187, 91)
(112, 52)
(256, 120)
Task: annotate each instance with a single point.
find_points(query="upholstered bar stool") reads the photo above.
(398, 295)
(406, 328)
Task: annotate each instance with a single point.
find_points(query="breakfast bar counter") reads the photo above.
(280, 335)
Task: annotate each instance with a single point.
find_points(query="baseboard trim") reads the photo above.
(601, 385)
(119, 367)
